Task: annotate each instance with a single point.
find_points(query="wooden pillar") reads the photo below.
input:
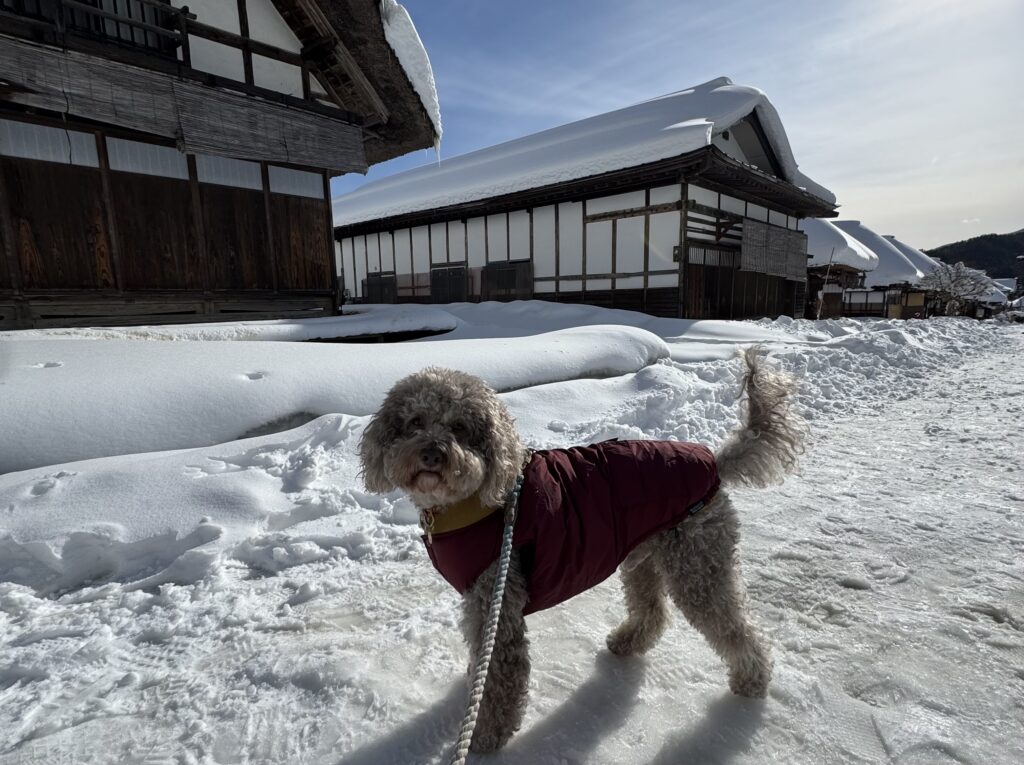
(8, 238)
(108, 204)
(558, 254)
(583, 275)
(199, 222)
(271, 241)
(647, 251)
(615, 237)
(333, 259)
(683, 254)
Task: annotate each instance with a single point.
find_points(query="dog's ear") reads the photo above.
(372, 447)
(504, 453)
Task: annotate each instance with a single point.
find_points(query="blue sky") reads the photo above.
(911, 111)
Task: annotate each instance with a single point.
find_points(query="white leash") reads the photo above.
(493, 613)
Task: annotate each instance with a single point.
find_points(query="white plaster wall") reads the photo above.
(664, 236)
(267, 26)
(665, 194)
(519, 235)
(359, 254)
(222, 14)
(477, 245)
(730, 147)
(421, 250)
(438, 244)
(544, 243)
(387, 251)
(276, 75)
(733, 205)
(613, 203)
(212, 57)
(702, 196)
(497, 237)
(599, 248)
(629, 246)
(456, 241)
(403, 263)
(570, 239)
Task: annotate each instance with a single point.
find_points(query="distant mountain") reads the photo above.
(996, 254)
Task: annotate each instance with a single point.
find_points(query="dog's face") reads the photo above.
(441, 436)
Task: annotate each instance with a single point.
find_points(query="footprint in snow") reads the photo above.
(48, 364)
(255, 375)
(49, 482)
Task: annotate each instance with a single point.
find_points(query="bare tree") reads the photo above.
(956, 284)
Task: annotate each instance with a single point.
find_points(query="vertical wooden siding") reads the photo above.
(59, 225)
(237, 243)
(156, 233)
(303, 252)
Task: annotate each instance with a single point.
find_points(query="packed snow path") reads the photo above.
(888, 575)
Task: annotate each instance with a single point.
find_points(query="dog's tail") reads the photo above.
(765, 448)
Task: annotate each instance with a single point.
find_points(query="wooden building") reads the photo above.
(837, 262)
(170, 161)
(686, 205)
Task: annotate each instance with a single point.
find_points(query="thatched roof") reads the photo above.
(363, 71)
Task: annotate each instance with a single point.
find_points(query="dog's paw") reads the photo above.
(753, 686)
(485, 742)
(629, 640)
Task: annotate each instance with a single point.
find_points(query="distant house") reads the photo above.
(169, 161)
(1008, 286)
(836, 262)
(892, 289)
(685, 205)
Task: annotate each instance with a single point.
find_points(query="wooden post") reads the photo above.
(647, 251)
(199, 221)
(271, 241)
(558, 253)
(583, 275)
(243, 29)
(615, 237)
(508, 238)
(412, 262)
(108, 204)
(8, 238)
(333, 259)
(683, 254)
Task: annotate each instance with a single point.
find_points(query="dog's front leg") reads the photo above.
(504, 699)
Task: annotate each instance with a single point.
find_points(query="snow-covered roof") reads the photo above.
(1007, 284)
(660, 128)
(405, 41)
(893, 266)
(826, 243)
(924, 263)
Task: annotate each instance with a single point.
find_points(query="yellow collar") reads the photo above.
(466, 512)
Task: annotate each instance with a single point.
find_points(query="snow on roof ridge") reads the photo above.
(648, 131)
(827, 243)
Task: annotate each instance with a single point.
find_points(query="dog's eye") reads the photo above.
(416, 423)
(459, 428)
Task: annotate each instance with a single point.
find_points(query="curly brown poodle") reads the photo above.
(444, 436)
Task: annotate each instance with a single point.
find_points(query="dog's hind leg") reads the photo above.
(504, 700)
(647, 616)
(703, 579)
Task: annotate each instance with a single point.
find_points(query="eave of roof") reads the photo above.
(708, 166)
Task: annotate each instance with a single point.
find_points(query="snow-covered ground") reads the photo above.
(249, 602)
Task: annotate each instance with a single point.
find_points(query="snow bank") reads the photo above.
(357, 321)
(68, 400)
(646, 132)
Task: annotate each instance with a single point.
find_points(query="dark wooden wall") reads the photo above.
(237, 241)
(61, 233)
(304, 253)
(79, 236)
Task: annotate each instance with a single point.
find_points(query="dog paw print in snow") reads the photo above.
(49, 482)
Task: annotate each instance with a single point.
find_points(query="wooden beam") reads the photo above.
(243, 28)
(243, 42)
(271, 240)
(108, 204)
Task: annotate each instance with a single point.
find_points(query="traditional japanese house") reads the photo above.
(170, 161)
(892, 289)
(685, 205)
(836, 262)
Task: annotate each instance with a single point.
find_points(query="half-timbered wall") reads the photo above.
(625, 250)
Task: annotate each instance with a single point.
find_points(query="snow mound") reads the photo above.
(61, 402)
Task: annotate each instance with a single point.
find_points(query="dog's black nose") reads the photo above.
(431, 458)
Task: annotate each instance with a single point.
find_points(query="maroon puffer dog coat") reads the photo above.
(581, 512)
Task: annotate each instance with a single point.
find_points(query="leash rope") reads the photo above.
(493, 614)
